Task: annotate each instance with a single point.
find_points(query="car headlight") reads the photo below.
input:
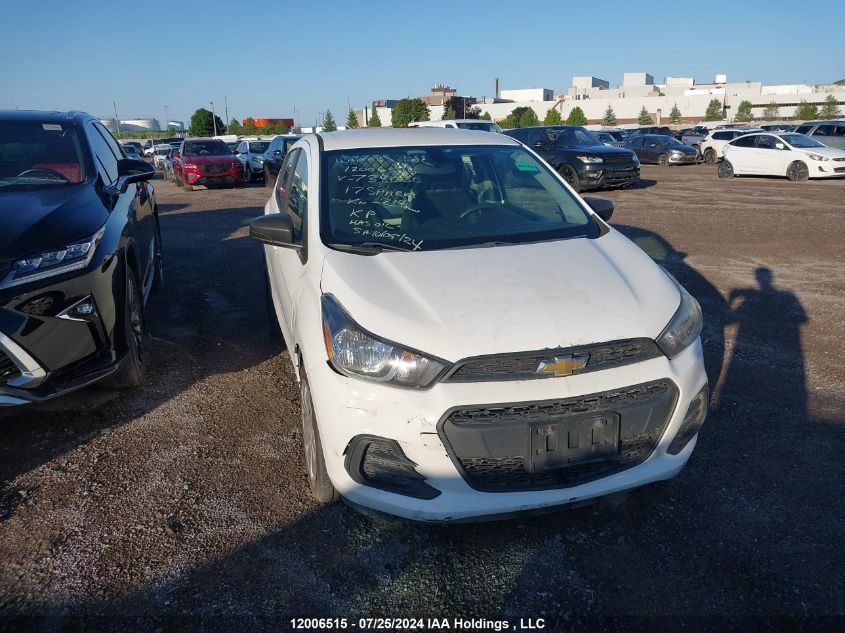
(684, 326)
(812, 156)
(54, 262)
(590, 159)
(355, 352)
(260, 159)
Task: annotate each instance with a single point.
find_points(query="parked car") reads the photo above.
(657, 129)
(275, 155)
(659, 149)
(831, 133)
(150, 145)
(206, 161)
(159, 155)
(130, 151)
(580, 157)
(470, 337)
(136, 147)
(463, 124)
(693, 138)
(80, 251)
(611, 138)
(251, 154)
(167, 167)
(713, 144)
(789, 154)
(779, 127)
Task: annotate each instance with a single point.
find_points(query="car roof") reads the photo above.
(407, 137)
(44, 115)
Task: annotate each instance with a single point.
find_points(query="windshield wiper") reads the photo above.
(370, 247)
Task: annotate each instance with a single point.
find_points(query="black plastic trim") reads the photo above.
(355, 452)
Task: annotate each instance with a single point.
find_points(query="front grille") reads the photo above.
(490, 445)
(839, 159)
(8, 369)
(215, 168)
(524, 365)
(839, 170)
(616, 158)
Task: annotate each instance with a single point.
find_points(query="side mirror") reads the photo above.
(602, 206)
(130, 170)
(274, 229)
(780, 145)
(235, 152)
(175, 154)
(277, 152)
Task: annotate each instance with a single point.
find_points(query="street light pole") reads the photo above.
(213, 118)
(166, 123)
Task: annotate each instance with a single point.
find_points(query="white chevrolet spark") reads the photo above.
(471, 338)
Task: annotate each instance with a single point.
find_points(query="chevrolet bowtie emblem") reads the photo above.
(562, 365)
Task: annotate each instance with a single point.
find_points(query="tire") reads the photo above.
(663, 160)
(318, 478)
(710, 156)
(247, 174)
(698, 156)
(134, 366)
(267, 178)
(797, 171)
(725, 169)
(177, 180)
(571, 176)
(158, 271)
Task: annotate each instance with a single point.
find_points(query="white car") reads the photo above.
(160, 152)
(712, 146)
(789, 154)
(251, 154)
(461, 124)
(470, 337)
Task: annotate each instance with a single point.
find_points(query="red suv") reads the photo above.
(206, 161)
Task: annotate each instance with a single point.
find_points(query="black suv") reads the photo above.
(80, 251)
(275, 156)
(580, 157)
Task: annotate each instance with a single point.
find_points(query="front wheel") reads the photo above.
(710, 156)
(797, 171)
(247, 174)
(725, 169)
(318, 477)
(132, 371)
(158, 270)
(571, 176)
(663, 160)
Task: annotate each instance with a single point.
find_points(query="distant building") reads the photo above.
(528, 94)
(288, 123)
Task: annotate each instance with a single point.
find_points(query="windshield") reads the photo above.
(207, 148)
(484, 126)
(162, 149)
(571, 137)
(801, 141)
(258, 147)
(430, 198)
(35, 155)
(671, 140)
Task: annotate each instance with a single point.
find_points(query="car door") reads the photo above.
(287, 264)
(770, 159)
(743, 155)
(651, 149)
(635, 144)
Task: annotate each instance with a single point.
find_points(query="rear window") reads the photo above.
(36, 154)
(803, 129)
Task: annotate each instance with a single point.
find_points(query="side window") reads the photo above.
(241, 148)
(113, 144)
(104, 158)
(764, 141)
(803, 129)
(282, 184)
(636, 142)
(746, 141)
(824, 130)
(722, 136)
(297, 205)
(534, 136)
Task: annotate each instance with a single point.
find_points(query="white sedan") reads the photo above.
(471, 338)
(795, 156)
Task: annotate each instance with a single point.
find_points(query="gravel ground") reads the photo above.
(184, 506)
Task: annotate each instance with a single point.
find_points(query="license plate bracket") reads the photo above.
(574, 442)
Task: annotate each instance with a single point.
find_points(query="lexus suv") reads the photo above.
(580, 157)
(80, 252)
(470, 336)
(206, 161)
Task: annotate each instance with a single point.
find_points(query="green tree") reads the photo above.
(514, 118)
(830, 108)
(235, 127)
(374, 120)
(352, 120)
(714, 111)
(278, 128)
(462, 107)
(576, 117)
(552, 117)
(202, 123)
(806, 111)
(450, 115)
(329, 124)
(609, 117)
(771, 111)
(486, 116)
(645, 117)
(407, 110)
(675, 114)
(529, 118)
(249, 126)
(743, 112)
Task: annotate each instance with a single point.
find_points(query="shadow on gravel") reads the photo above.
(642, 183)
(202, 323)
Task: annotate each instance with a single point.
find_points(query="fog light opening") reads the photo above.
(380, 463)
(83, 310)
(693, 420)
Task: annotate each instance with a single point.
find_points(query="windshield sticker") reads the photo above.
(527, 167)
(52, 127)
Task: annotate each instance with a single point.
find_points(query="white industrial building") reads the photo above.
(137, 125)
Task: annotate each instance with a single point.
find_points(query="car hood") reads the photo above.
(203, 160)
(468, 302)
(35, 221)
(686, 149)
